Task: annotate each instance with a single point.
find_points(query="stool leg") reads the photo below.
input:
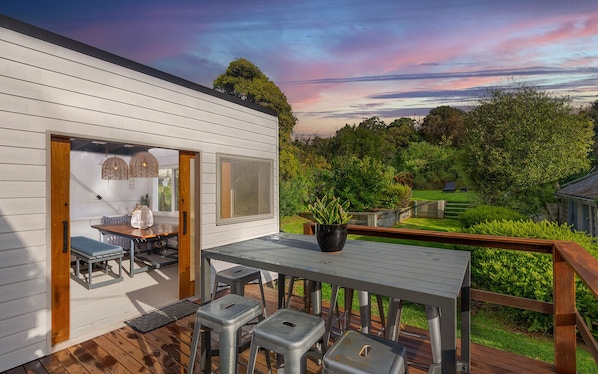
(395, 307)
(263, 297)
(290, 294)
(237, 288)
(316, 298)
(333, 297)
(365, 311)
(228, 350)
(253, 357)
(294, 364)
(381, 311)
(194, 341)
(215, 289)
(348, 307)
(433, 316)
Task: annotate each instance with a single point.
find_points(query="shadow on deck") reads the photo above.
(166, 350)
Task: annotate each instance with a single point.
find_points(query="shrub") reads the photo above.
(483, 213)
(366, 183)
(293, 195)
(527, 274)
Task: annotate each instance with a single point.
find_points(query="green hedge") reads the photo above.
(483, 213)
(527, 274)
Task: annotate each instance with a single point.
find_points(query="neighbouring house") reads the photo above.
(65, 108)
(578, 204)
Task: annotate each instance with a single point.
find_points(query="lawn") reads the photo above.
(433, 195)
(489, 328)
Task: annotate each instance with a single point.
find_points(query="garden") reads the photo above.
(521, 274)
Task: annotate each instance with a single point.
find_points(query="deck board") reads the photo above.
(166, 350)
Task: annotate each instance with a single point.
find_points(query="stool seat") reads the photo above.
(290, 333)
(226, 316)
(237, 277)
(357, 353)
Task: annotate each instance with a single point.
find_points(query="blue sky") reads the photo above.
(339, 62)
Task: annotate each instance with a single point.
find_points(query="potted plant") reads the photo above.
(331, 217)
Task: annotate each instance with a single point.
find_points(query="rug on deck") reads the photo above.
(161, 317)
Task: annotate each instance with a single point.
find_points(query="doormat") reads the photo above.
(161, 317)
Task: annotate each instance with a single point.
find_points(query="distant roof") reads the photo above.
(582, 188)
(50, 37)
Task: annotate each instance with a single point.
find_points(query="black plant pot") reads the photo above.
(331, 238)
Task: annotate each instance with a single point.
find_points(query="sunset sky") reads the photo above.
(339, 62)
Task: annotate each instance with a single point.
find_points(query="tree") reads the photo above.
(431, 165)
(402, 132)
(366, 183)
(592, 112)
(246, 81)
(519, 142)
(444, 124)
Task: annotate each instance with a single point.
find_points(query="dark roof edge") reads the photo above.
(62, 41)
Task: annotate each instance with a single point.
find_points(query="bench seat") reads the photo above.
(95, 252)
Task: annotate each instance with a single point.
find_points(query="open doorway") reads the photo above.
(91, 199)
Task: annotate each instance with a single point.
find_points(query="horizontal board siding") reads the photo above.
(21, 305)
(20, 256)
(22, 223)
(102, 84)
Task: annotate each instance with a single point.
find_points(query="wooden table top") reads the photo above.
(125, 229)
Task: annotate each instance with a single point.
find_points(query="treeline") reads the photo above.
(513, 149)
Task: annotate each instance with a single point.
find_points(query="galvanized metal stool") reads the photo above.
(289, 333)
(225, 316)
(237, 277)
(357, 353)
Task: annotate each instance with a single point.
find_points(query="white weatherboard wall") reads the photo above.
(49, 89)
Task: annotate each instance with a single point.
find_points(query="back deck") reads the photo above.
(166, 350)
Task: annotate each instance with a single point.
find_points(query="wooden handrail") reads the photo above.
(569, 259)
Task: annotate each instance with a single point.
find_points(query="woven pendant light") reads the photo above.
(115, 168)
(143, 165)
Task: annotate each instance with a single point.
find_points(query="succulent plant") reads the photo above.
(329, 210)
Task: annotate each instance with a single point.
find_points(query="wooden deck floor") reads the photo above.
(166, 350)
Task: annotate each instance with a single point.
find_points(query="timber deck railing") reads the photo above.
(569, 259)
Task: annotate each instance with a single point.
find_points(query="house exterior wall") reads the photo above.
(582, 215)
(47, 88)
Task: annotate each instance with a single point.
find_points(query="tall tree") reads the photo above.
(592, 112)
(519, 142)
(444, 125)
(246, 81)
(402, 132)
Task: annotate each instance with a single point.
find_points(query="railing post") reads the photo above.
(564, 315)
(308, 228)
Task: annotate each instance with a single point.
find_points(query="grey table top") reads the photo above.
(418, 274)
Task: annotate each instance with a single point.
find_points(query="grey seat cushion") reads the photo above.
(93, 248)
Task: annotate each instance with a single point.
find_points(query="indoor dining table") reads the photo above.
(423, 275)
(137, 235)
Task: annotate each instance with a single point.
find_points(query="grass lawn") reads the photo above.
(489, 328)
(457, 196)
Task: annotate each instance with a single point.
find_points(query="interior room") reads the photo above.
(100, 188)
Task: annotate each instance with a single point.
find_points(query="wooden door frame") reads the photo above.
(60, 156)
(60, 232)
(186, 285)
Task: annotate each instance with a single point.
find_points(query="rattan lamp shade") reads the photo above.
(143, 165)
(115, 168)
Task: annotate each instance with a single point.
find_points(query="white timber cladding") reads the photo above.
(48, 89)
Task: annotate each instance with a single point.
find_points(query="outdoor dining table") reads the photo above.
(423, 275)
(136, 235)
